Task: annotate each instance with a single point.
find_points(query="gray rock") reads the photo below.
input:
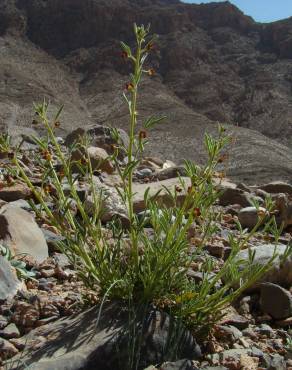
(3, 322)
(112, 204)
(277, 363)
(171, 172)
(248, 216)
(243, 187)
(9, 284)
(265, 329)
(229, 332)
(277, 187)
(20, 232)
(51, 238)
(276, 301)
(7, 349)
(144, 172)
(235, 196)
(237, 321)
(81, 191)
(10, 331)
(163, 198)
(281, 270)
(21, 203)
(178, 365)
(80, 342)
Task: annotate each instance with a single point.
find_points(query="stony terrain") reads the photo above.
(213, 64)
(37, 328)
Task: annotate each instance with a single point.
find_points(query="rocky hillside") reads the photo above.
(213, 64)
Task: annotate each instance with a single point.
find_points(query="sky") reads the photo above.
(260, 10)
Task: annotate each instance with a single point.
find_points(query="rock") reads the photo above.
(163, 197)
(80, 190)
(235, 196)
(100, 136)
(45, 285)
(266, 330)
(52, 239)
(9, 284)
(25, 315)
(249, 216)
(281, 270)
(19, 343)
(3, 322)
(99, 159)
(250, 333)
(7, 349)
(237, 321)
(168, 164)
(170, 172)
(20, 232)
(112, 205)
(80, 342)
(47, 273)
(284, 323)
(61, 260)
(178, 365)
(277, 363)
(21, 203)
(243, 187)
(276, 187)
(11, 331)
(15, 192)
(217, 249)
(144, 173)
(157, 161)
(229, 333)
(276, 301)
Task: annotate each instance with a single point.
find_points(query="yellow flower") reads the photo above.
(185, 297)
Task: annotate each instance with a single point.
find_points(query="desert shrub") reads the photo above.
(125, 264)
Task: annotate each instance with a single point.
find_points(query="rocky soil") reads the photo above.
(212, 62)
(45, 322)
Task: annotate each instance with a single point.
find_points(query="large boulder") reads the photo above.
(281, 270)
(157, 190)
(276, 301)
(276, 187)
(20, 232)
(90, 341)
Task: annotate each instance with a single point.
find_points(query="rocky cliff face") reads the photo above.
(213, 64)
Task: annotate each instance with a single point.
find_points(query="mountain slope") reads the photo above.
(213, 64)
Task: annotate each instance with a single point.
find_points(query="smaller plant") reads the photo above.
(15, 261)
(5, 143)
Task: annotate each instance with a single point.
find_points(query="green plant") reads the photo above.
(5, 143)
(129, 266)
(17, 263)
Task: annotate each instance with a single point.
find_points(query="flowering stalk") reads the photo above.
(138, 60)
